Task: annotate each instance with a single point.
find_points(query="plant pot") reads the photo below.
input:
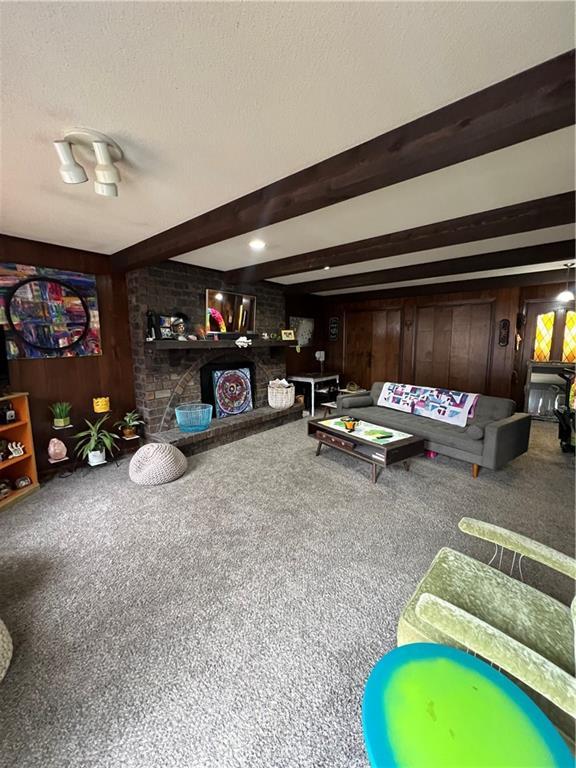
(128, 431)
(65, 422)
(96, 457)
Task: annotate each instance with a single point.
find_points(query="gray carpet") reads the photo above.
(231, 618)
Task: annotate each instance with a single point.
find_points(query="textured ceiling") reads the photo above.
(527, 171)
(213, 100)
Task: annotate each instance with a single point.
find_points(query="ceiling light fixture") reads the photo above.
(218, 297)
(326, 267)
(71, 172)
(257, 244)
(105, 189)
(93, 145)
(105, 170)
(566, 294)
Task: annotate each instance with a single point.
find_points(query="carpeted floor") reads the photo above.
(231, 618)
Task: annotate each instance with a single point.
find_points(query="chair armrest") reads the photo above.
(354, 401)
(523, 545)
(521, 662)
(506, 439)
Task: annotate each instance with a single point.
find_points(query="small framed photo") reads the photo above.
(288, 335)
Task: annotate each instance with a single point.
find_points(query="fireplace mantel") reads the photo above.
(171, 344)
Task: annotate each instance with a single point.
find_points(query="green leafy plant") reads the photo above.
(131, 419)
(61, 410)
(95, 439)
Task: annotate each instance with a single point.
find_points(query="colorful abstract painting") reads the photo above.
(48, 312)
(232, 392)
(445, 405)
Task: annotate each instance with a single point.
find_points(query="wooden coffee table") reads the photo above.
(365, 444)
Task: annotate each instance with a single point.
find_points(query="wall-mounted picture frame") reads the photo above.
(288, 335)
(333, 328)
(303, 328)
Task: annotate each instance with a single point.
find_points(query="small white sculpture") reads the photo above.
(243, 342)
(16, 449)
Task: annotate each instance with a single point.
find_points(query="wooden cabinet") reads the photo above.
(443, 345)
(372, 346)
(452, 346)
(19, 431)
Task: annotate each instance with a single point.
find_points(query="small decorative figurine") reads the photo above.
(22, 482)
(56, 449)
(242, 341)
(16, 449)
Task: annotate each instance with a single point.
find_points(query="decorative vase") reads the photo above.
(62, 422)
(56, 449)
(101, 404)
(96, 457)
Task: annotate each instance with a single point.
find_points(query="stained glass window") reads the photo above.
(569, 345)
(543, 339)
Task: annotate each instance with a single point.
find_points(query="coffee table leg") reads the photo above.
(406, 465)
(318, 448)
(375, 472)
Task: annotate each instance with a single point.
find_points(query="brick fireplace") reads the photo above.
(163, 378)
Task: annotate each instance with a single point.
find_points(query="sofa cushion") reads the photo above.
(492, 409)
(445, 434)
(475, 431)
(355, 401)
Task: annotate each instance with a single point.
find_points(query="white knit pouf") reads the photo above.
(5, 649)
(157, 463)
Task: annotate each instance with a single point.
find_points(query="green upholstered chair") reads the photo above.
(529, 635)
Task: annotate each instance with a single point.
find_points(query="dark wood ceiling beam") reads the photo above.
(483, 284)
(514, 257)
(511, 219)
(529, 104)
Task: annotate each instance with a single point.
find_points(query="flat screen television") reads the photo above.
(4, 372)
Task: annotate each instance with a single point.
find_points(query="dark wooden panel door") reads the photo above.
(386, 345)
(453, 345)
(358, 348)
(470, 347)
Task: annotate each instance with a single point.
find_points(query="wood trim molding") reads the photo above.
(18, 250)
(514, 257)
(482, 284)
(529, 104)
(522, 217)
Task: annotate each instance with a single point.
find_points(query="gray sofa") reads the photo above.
(492, 438)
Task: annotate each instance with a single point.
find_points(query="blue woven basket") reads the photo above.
(193, 417)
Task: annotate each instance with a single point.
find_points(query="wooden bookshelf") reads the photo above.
(19, 431)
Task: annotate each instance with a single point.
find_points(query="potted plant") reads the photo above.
(61, 414)
(94, 442)
(129, 423)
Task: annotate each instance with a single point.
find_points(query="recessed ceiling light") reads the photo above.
(326, 267)
(218, 297)
(257, 244)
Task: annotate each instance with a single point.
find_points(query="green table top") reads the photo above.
(431, 706)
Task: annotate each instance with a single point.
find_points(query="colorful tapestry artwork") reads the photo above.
(445, 405)
(232, 392)
(48, 312)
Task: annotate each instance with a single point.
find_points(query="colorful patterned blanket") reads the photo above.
(445, 405)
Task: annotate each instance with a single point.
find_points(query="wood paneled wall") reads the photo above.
(75, 379)
(445, 339)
